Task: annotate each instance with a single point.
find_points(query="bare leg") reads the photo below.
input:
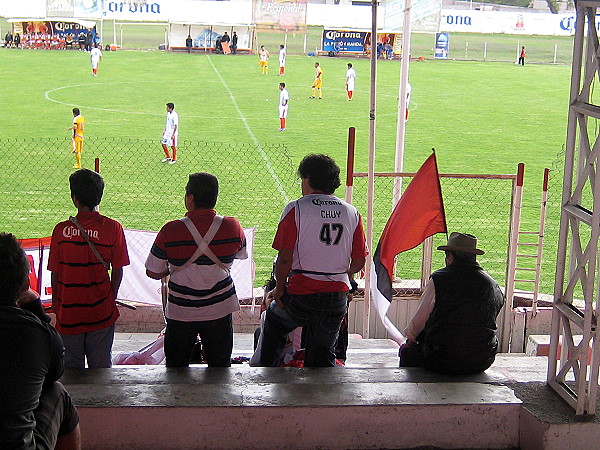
(69, 441)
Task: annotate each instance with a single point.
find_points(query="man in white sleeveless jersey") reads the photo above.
(321, 241)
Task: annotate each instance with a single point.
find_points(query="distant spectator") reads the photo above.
(89, 40)
(218, 45)
(69, 40)
(522, 57)
(81, 40)
(8, 39)
(17, 40)
(225, 38)
(188, 44)
(234, 41)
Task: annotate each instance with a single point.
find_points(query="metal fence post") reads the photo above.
(515, 219)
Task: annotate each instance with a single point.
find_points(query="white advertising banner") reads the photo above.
(464, 21)
(150, 11)
(136, 286)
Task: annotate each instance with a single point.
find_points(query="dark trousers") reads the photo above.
(411, 355)
(320, 315)
(216, 336)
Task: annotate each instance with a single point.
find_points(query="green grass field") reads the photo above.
(481, 117)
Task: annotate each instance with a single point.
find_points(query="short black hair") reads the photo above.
(322, 172)
(349, 64)
(281, 45)
(87, 187)
(282, 84)
(205, 189)
(76, 111)
(171, 105)
(14, 269)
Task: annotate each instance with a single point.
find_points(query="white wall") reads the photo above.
(466, 21)
(327, 15)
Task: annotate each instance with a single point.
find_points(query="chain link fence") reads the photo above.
(256, 181)
(463, 46)
(475, 204)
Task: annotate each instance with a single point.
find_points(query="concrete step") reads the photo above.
(243, 407)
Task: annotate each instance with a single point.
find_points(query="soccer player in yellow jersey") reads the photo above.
(318, 83)
(78, 124)
(263, 60)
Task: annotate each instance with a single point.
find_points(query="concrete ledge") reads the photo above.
(536, 434)
(154, 407)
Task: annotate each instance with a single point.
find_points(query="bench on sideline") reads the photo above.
(206, 50)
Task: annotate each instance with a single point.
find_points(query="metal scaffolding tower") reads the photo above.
(576, 380)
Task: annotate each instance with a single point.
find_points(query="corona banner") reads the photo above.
(53, 27)
(276, 16)
(352, 41)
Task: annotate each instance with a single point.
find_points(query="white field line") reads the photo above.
(276, 180)
(47, 96)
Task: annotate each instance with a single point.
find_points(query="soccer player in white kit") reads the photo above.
(320, 241)
(169, 136)
(350, 78)
(282, 56)
(284, 98)
(95, 57)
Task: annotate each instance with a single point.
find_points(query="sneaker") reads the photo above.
(76, 166)
(165, 160)
(311, 96)
(281, 129)
(173, 161)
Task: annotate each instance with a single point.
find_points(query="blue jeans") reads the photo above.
(320, 315)
(216, 336)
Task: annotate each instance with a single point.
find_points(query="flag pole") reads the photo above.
(402, 103)
(371, 172)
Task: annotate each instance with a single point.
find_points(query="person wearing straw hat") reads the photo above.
(454, 328)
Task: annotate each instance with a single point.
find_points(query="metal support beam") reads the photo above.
(574, 373)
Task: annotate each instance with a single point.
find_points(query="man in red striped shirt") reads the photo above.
(197, 252)
(321, 241)
(83, 290)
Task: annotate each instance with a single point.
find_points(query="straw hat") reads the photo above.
(461, 242)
